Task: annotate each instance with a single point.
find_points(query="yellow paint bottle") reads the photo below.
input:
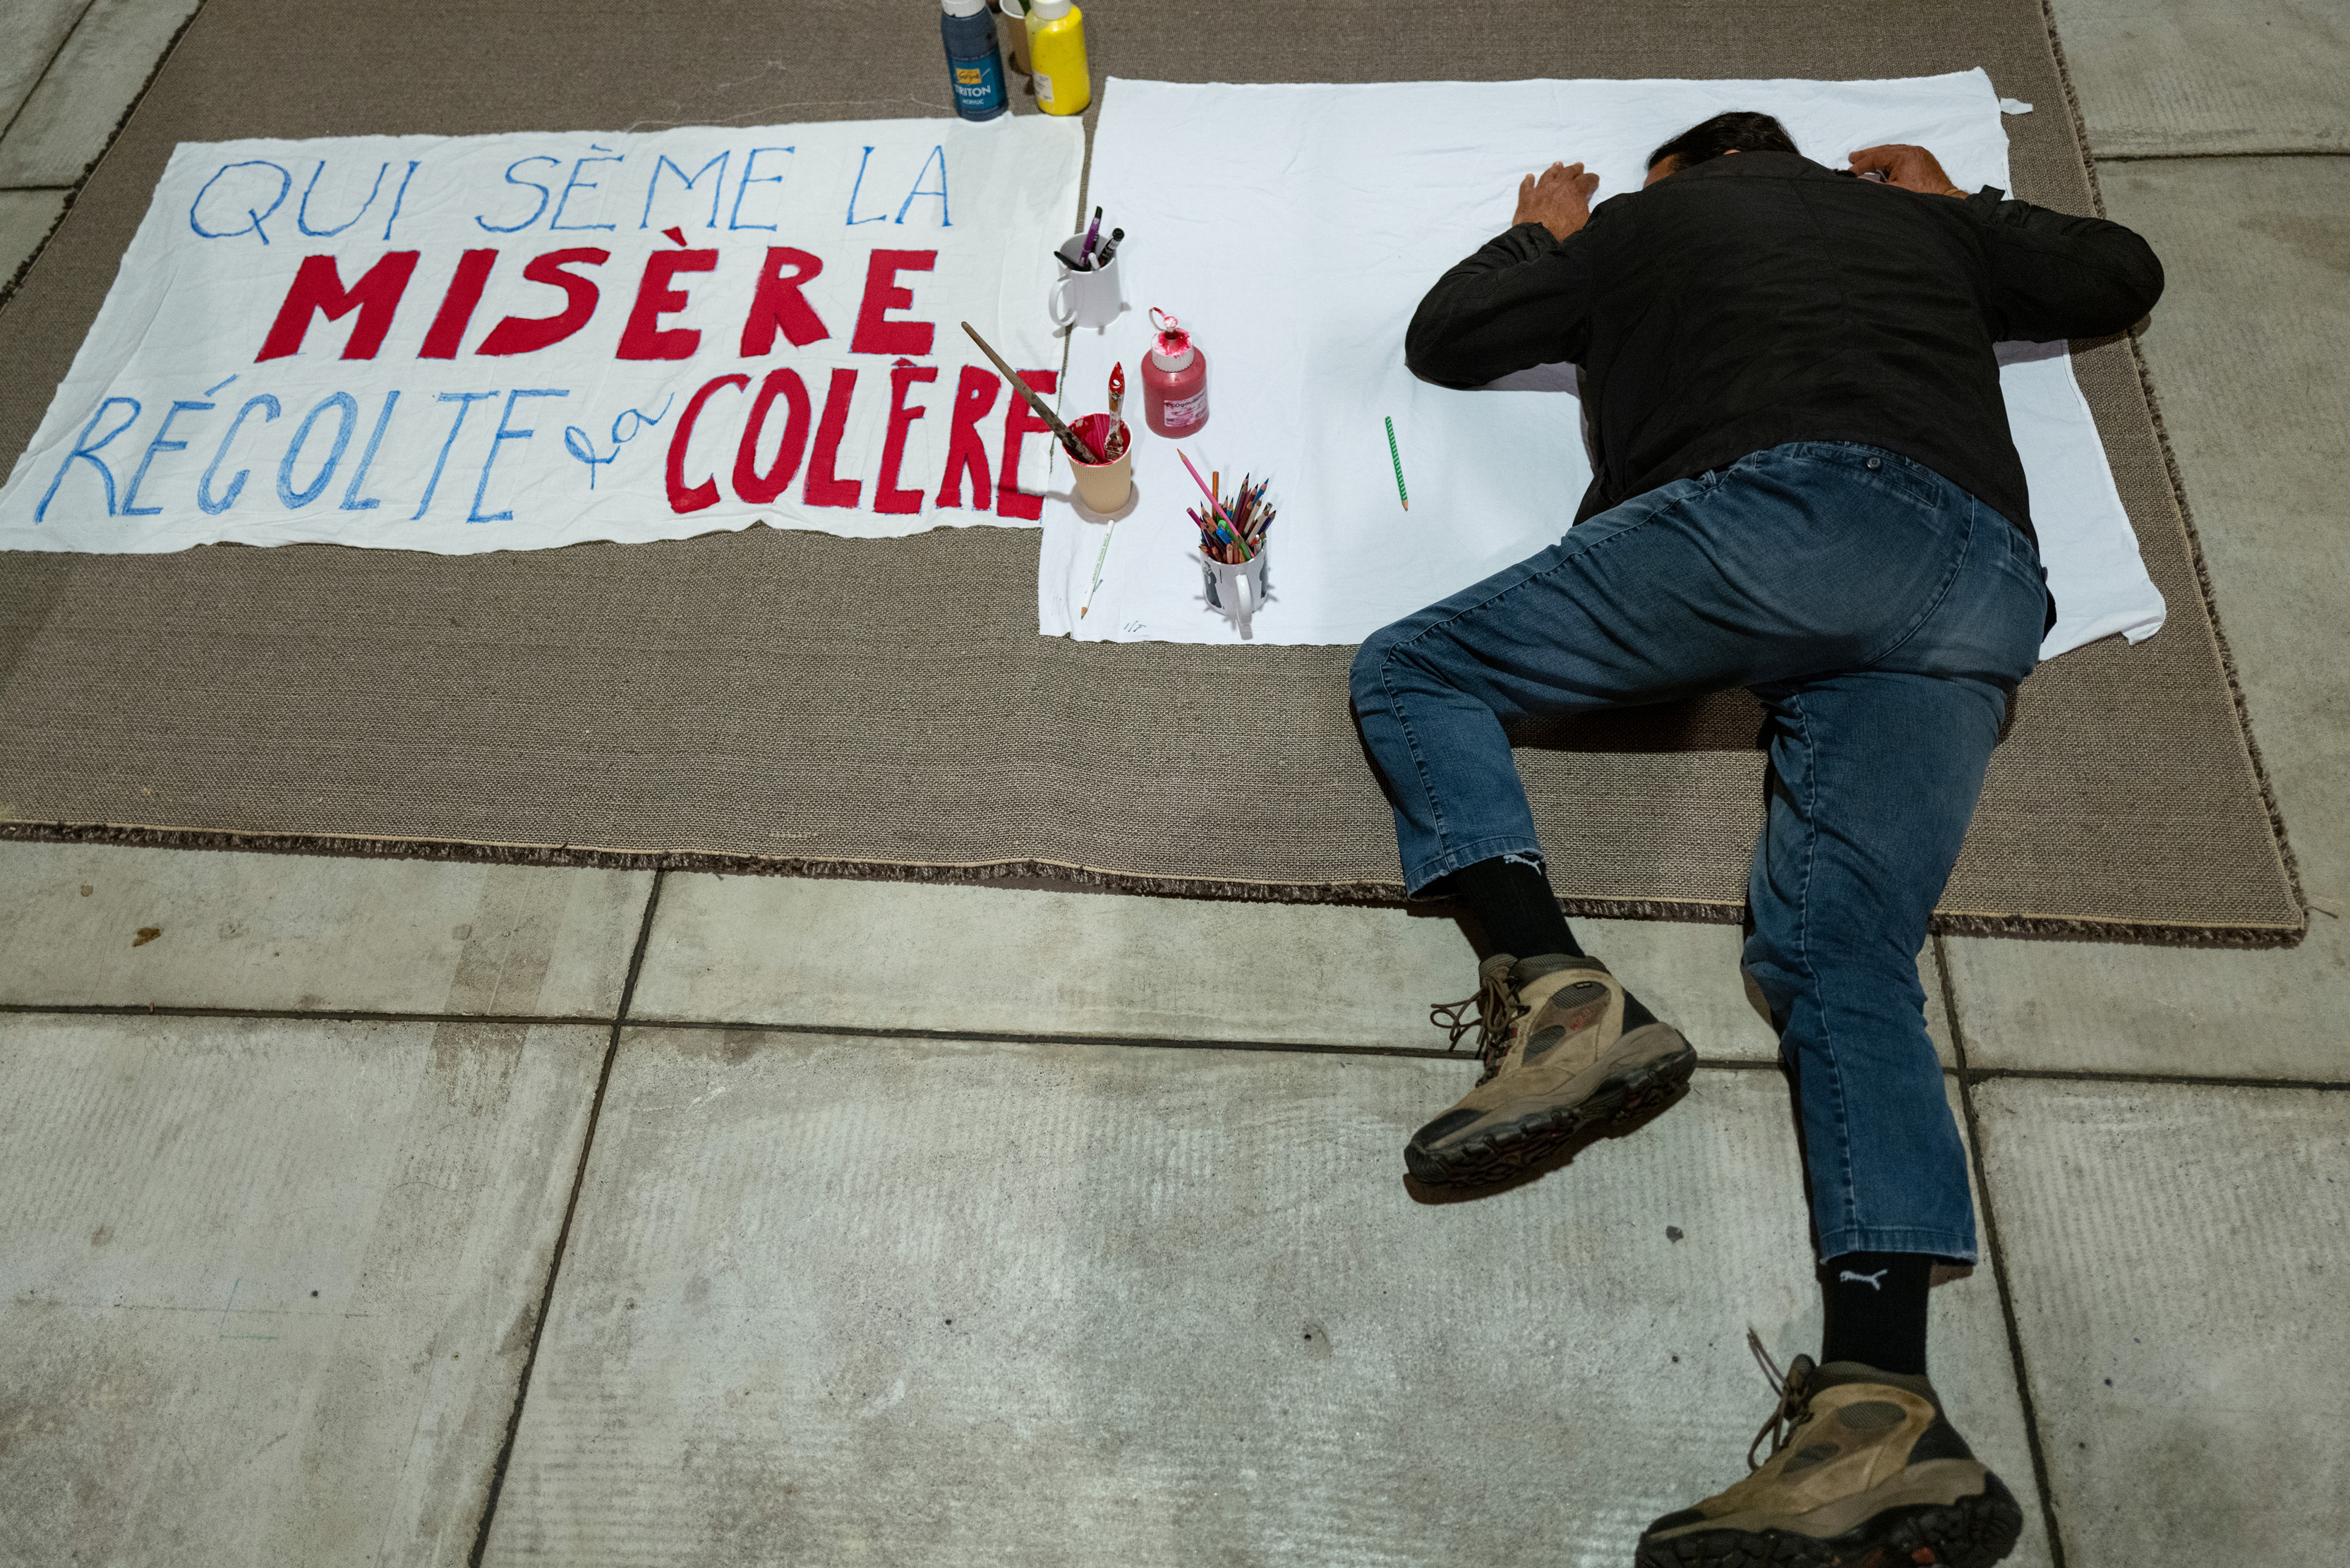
(1057, 56)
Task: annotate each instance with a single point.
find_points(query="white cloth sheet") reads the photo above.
(409, 415)
(1295, 228)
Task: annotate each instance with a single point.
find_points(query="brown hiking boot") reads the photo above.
(1864, 1470)
(1558, 1057)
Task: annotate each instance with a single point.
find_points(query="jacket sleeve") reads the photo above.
(1524, 299)
(2052, 276)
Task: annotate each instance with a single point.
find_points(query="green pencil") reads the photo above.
(1396, 458)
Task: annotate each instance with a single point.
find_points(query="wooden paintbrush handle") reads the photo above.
(1068, 437)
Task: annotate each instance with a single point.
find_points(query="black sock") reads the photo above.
(1876, 1310)
(1512, 901)
(1520, 917)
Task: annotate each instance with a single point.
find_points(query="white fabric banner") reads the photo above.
(1299, 273)
(665, 334)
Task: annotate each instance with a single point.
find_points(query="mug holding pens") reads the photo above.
(1088, 292)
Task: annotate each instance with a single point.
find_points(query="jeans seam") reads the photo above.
(1940, 1242)
(1941, 594)
(1851, 1215)
(1412, 743)
(1449, 858)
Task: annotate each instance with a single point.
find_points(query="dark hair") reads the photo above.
(1737, 131)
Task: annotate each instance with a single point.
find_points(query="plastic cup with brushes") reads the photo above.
(1099, 447)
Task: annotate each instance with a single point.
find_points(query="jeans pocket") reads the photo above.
(2020, 563)
(2022, 558)
(1909, 488)
(1911, 480)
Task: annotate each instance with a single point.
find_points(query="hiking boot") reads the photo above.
(1559, 1057)
(1865, 1469)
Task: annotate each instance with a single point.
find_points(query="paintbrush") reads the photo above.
(1077, 447)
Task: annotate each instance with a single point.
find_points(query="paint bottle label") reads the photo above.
(978, 87)
(1181, 413)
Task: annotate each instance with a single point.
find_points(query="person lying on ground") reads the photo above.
(1803, 484)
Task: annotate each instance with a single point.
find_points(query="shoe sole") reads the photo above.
(1973, 1531)
(1503, 1149)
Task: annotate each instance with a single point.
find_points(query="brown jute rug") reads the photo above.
(801, 703)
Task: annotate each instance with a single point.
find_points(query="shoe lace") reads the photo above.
(1498, 1010)
(1793, 1389)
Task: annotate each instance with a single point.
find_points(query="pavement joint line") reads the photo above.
(1012, 1036)
(1033, 1037)
(1995, 1251)
(10, 284)
(562, 1234)
(34, 188)
(2172, 1080)
(47, 67)
(311, 1014)
(1146, 1041)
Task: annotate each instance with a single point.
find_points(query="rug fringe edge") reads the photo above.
(1051, 875)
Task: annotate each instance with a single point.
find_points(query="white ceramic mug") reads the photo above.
(1090, 299)
(1236, 591)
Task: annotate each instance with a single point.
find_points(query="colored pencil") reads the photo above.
(1397, 458)
(1216, 507)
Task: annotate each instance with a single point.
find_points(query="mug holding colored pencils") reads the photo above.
(1233, 537)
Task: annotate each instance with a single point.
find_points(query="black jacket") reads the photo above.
(1759, 298)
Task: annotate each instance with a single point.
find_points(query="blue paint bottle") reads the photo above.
(974, 63)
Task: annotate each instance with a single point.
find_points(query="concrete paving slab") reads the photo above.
(901, 955)
(36, 29)
(2246, 350)
(2071, 1007)
(2176, 1261)
(67, 119)
(311, 934)
(971, 1303)
(2158, 77)
(266, 1287)
(26, 219)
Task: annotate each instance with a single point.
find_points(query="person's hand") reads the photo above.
(1560, 201)
(1911, 168)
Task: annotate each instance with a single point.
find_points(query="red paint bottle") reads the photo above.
(1174, 381)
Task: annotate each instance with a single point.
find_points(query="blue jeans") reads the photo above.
(1884, 616)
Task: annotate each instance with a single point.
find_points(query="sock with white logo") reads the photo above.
(1876, 1310)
